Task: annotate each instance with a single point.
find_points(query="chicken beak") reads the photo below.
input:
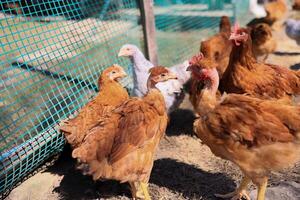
(172, 75)
(122, 74)
(121, 53)
(189, 68)
(232, 37)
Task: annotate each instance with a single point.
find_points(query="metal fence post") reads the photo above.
(148, 23)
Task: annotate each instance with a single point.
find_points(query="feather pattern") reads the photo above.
(245, 75)
(259, 136)
(111, 95)
(123, 144)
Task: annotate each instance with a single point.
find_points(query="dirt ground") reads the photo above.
(184, 168)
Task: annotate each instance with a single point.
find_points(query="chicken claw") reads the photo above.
(240, 193)
(139, 190)
(235, 195)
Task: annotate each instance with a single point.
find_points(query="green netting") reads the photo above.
(182, 24)
(52, 52)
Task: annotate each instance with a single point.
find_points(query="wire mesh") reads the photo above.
(52, 52)
(182, 24)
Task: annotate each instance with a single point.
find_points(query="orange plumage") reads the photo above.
(245, 75)
(263, 42)
(259, 136)
(218, 47)
(276, 11)
(111, 95)
(123, 143)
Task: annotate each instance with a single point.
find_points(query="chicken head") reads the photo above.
(239, 35)
(201, 66)
(159, 74)
(114, 72)
(127, 50)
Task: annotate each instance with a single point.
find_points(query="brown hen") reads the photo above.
(263, 42)
(123, 144)
(276, 11)
(218, 47)
(258, 136)
(111, 95)
(245, 75)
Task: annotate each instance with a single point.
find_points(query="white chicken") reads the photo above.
(172, 90)
(257, 10)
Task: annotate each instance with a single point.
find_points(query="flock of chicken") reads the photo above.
(245, 111)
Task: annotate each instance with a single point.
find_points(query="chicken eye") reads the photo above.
(113, 72)
(127, 49)
(163, 75)
(216, 55)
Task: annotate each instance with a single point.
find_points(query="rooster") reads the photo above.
(245, 75)
(172, 90)
(123, 143)
(259, 136)
(111, 95)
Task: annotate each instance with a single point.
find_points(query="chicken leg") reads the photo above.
(144, 187)
(239, 193)
(139, 190)
(262, 189)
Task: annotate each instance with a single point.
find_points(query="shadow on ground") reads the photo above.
(181, 122)
(75, 185)
(179, 177)
(281, 53)
(189, 180)
(295, 66)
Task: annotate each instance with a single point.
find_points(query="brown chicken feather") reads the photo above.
(123, 144)
(259, 136)
(263, 42)
(245, 75)
(218, 47)
(111, 95)
(276, 11)
(296, 5)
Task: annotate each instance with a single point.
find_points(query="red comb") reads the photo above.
(195, 59)
(236, 27)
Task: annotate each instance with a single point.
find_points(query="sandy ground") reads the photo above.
(184, 167)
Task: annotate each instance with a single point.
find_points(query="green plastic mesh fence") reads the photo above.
(182, 24)
(52, 52)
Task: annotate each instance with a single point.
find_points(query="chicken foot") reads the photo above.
(239, 193)
(144, 187)
(139, 190)
(262, 189)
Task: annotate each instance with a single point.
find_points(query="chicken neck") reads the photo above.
(240, 56)
(208, 99)
(155, 98)
(140, 62)
(104, 80)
